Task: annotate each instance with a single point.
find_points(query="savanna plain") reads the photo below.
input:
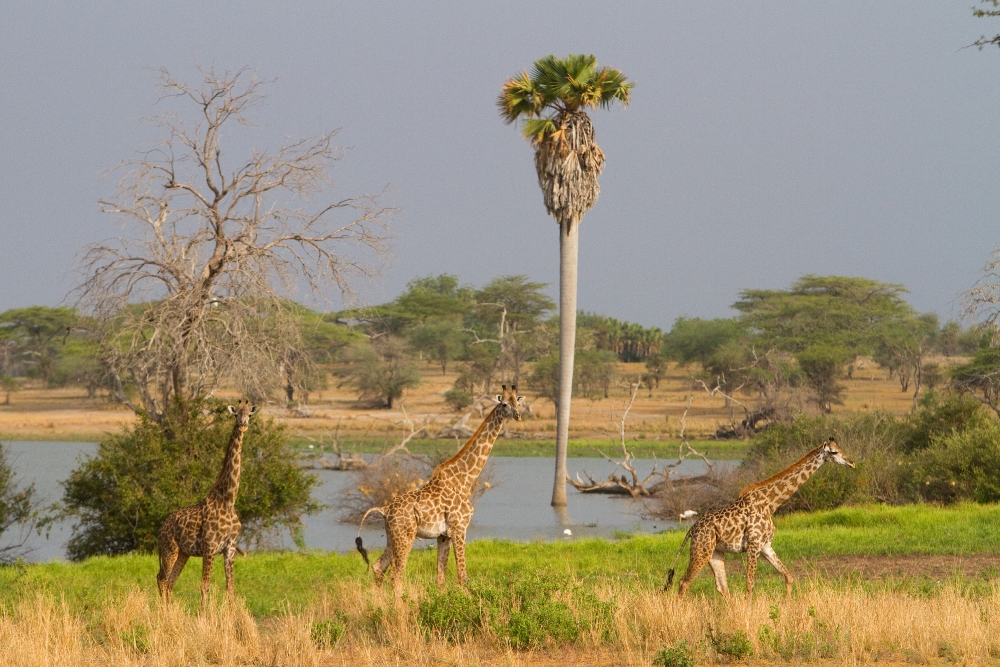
(874, 583)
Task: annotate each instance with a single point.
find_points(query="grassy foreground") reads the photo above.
(594, 601)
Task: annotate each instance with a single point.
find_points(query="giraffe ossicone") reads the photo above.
(441, 508)
(211, 527)
(746, 525)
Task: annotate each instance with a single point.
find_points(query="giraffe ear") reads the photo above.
(253, 409)
(520, 400)
(232, 410)
(499, 398)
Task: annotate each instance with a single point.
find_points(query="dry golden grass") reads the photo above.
(66, 414)
(821, 623)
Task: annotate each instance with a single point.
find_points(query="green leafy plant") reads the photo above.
(326, 633)
(734, 645)
(678, 655)
(452, 614)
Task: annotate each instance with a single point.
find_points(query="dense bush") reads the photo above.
(947, 451)
(962, 465)
(118, 498)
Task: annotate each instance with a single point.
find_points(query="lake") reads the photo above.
(515, 508)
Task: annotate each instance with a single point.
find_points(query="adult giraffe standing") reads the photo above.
(568, 162)
(210, 527)
(746, 525)
(440, 508)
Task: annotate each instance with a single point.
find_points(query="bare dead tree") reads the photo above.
(630, 484)
(193, 291)
(981, 303)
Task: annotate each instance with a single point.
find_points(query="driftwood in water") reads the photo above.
(630, 484)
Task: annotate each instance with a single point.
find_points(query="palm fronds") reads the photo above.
(561, 86)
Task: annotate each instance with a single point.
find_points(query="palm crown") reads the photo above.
(563, 86)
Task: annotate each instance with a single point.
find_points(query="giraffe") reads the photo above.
(210, 527)
(746, 525)
(441, 508)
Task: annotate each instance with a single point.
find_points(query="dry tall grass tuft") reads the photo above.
(355, 624)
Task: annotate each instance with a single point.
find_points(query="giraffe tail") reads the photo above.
(357, 541)
(670, 573)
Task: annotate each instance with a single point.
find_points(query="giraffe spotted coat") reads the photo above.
(209, 528)
(441, 508)
(746, 525)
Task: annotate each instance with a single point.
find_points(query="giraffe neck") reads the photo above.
(464, 467)
(227, 485)
(772, 492)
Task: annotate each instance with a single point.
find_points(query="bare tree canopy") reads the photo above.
(193, 291)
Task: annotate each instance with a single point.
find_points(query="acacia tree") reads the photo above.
(191, 293)
(825, 322)
(568, 161)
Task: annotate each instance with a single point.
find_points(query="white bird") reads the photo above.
(568, 532)
(686, 514)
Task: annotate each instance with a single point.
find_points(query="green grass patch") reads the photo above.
(589, 448)
(274, 582)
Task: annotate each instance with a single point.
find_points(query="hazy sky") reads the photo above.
(765, 140)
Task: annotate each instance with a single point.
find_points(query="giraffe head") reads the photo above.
(832, 452)
(510, 403)
(243, 411)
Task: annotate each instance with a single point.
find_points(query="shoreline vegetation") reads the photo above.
(527, 603)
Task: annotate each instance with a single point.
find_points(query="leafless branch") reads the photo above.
(620, 483)
(196, 289)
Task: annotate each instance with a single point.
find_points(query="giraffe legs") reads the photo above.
(206, 575)
(168, 556)
(773, 559)
(401, 545)
(168, 585)
(753, 551)
(702, 548)
(459, 540)
(229, 557)
(444, 547)
(718, 565)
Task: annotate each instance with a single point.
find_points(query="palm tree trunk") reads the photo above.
(569, 242)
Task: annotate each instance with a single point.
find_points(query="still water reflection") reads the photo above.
(515, 508)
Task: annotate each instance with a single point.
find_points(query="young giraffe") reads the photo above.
(746, 525)
(441, 508)
(211, 526)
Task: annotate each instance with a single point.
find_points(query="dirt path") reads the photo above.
(935, 567)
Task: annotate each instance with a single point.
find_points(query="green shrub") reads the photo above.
(964, 465)
(326, 634)
(941, 416)
(524, 611)
(118, 497)
(735, 645)
(458, 398)
(898, 460)
(453, 614)
(679, 655)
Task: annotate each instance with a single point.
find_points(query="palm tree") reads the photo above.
(552, 100)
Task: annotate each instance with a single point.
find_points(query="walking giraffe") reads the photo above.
(441, 508)
(746, 525)
(210, 527)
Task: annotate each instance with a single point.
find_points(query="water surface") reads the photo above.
(515, 508)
